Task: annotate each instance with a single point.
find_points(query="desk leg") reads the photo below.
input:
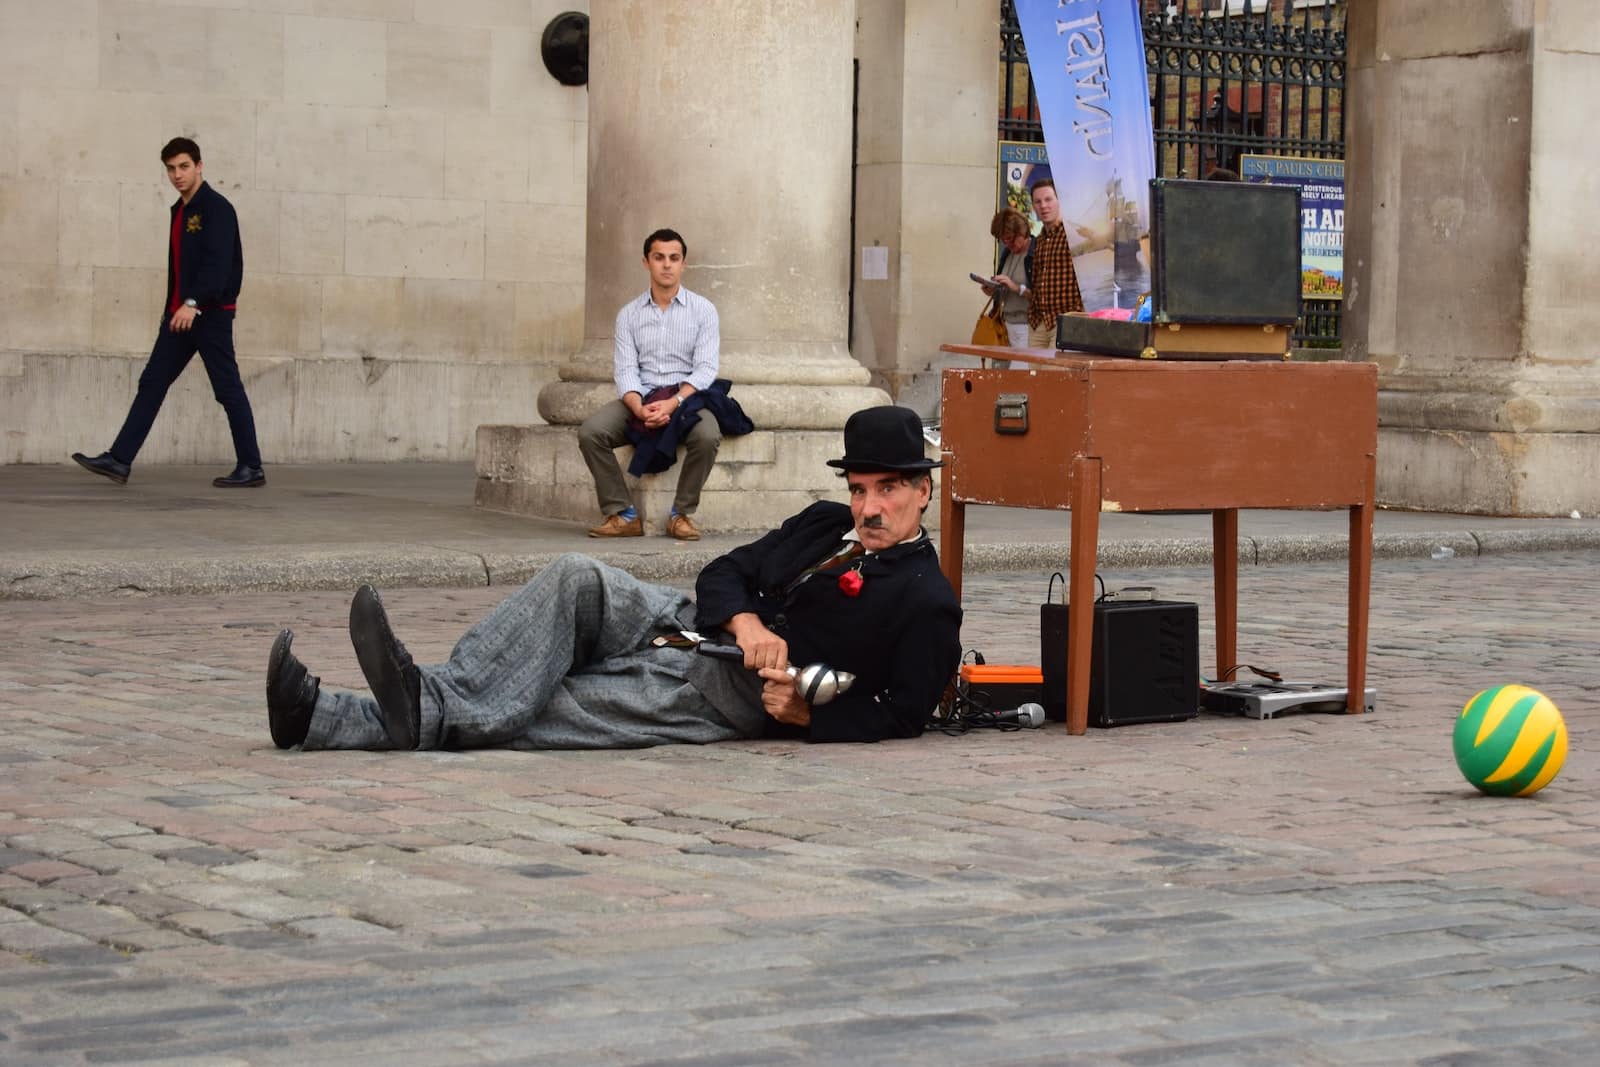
(1360, 599)
(1225, 568)
(952, 532)
(1081, 563)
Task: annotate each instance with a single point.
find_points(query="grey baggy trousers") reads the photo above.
(566, 662)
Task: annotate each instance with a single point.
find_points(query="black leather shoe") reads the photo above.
(242, 477)
(395, 681)
(105, 464)
(291, 694)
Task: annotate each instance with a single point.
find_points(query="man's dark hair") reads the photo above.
(1041, 183)
(664, 236)
(179, 146)
(1222, 174)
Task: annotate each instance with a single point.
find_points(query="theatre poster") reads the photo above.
(1321, 183)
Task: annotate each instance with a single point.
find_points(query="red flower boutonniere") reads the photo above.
(850, 582)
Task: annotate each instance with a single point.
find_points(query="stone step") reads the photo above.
(759, 478)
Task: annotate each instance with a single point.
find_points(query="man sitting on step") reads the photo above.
(665, 349)
(587, 656)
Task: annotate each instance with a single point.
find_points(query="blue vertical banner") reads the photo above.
(1086, 58)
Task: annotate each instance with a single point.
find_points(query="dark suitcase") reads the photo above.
(1224, 277)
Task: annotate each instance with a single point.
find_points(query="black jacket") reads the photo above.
(209, 267)
(901, 636)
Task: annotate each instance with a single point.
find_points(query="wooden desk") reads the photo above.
(1106, 434)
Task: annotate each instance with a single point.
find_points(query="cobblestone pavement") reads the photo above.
(1314, 889)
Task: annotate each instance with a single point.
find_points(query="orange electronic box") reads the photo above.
(1002, 686)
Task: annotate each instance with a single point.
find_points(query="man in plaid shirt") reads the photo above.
(1052, 280)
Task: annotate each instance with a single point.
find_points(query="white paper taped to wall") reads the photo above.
(874, 263)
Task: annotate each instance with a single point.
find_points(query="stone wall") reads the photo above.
(926, 174)
(1470, 278)
(410, 183)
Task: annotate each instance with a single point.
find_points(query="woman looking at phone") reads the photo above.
(1010, 227)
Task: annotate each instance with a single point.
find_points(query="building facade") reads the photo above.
(410, 183)
(417, 198)
(413, 190)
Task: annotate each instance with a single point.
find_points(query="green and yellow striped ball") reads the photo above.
(1510, 741)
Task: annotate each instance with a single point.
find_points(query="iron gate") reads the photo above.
(1227, 78)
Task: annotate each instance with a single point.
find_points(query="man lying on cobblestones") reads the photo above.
(571, 659)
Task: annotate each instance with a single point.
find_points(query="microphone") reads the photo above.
(1029, 716)
(817, 684)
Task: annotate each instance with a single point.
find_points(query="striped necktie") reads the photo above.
(850, 551)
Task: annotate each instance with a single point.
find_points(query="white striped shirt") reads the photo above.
(653, 347)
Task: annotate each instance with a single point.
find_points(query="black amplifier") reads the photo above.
(1145, 666)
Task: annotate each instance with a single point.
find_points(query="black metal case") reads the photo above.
(1224, 252)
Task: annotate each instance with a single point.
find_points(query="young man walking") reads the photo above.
(205, 267)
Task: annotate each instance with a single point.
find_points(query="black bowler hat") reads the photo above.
(887, 438)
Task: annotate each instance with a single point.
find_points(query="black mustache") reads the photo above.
(872, 522)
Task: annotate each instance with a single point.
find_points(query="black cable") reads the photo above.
(1269, 675)
(964, 709)
(1050, 590)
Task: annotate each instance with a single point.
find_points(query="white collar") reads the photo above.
(853, 535)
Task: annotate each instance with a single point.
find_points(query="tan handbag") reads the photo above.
(991, 327)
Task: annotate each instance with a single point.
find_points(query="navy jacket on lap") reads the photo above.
(657, 450)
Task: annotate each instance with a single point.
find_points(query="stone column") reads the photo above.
(729, 122)
(926, 176)
(1470, 278)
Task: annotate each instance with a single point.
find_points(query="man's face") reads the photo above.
(1017, 244)
(665, 264)
(184, 174)
(887, 508)
(1045, 204)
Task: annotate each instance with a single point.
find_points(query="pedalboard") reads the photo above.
(1263, 700)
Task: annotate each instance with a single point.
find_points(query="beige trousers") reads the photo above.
(607, 430)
